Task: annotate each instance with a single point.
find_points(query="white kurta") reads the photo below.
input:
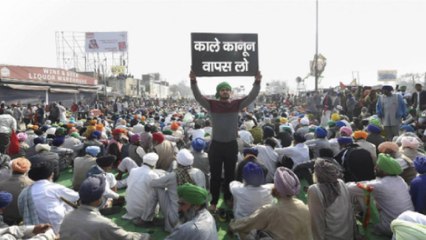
(268, 157)
(299, 153)
(247, 198)
(140, 196)
(50, 208)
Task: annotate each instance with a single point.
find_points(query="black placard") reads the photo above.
(223, 54)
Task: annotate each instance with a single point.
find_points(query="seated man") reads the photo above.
(197, 222)
(286, 219)
(87, 223)
(42, 201)
(39, 231)
(390, 192)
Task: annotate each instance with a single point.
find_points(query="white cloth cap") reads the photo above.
(184, 157)
(40, 147)
(150, 159)
(138, 128)
(304, 121)
(51, 131)
(140, 152)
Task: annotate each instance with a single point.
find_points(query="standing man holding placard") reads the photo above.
(223, 148)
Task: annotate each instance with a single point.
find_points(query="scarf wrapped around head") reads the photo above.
(286, 182)
(5, 199)
(193, 194)
(374, 128)
(221, 86)
(182, 175)
(327, 174)
(253, 174)
(410, 142)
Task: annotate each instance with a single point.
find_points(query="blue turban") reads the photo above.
(5, 199)
(93, 150)
(96, 134)
(92, 189)
(253, 174)
(58, 141)
(420, 164)
(251, 151)
(407, 128)
(320, 132)
(344, 140)
(340, 124)
(373, 128)
(198, 144)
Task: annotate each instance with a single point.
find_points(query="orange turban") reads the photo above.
(174, 126)
(21, 165)
(360, 134)
(99, 127)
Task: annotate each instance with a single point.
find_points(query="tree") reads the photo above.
(180, 90)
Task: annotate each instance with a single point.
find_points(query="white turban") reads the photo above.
(51, 131)
(40, 147)
(184, 157)
(150, 159)
(304, 121)
(138, 128)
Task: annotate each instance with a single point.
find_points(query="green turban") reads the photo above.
(388, 164)
(331, 123)
(167, 132)
(376, 122)
(221, 86)
(193, 194)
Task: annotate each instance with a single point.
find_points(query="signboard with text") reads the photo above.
(386, 75)
(106, 42)
(220, 54)
(44, 75)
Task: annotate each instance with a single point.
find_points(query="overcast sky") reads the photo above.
(356, 37)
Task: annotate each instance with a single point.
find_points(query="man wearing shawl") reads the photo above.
(86, 222)
(330, 203)
(389, 190)
(197, 222)
(184, 173)
(223, 147)
(14, 185)
(286, 219)
(36, 232)
(41, 202)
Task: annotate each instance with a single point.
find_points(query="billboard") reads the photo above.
(44, 75)
(386, 75)
(106, 42)
(222, 54)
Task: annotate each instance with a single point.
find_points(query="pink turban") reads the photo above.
(345, 131)
(286, 182)
(410, 142)
(22, 136)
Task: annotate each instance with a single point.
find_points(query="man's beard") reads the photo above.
(188, 215)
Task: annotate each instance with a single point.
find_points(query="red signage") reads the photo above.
(45, 75)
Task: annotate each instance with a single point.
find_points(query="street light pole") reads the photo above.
(316, 49)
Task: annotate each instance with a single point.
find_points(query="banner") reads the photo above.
(44, 75)
(220, 54)
(386, 75)
(106, 42)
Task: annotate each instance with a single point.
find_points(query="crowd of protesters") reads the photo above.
(335, 164)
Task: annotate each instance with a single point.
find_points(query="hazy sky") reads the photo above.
(354, 36)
